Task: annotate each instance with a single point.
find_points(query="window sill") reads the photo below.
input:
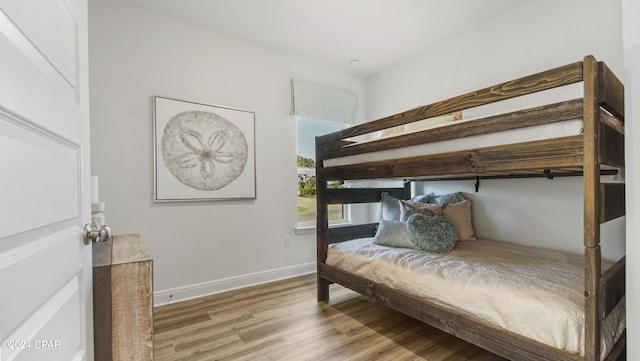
(310, 229)
(302, 230)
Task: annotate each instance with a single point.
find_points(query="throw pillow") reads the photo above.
(429, 123)
(448, 198)
(408, 208)
(423, 198)
(432, 233)
(460, 214)
(389, 207)
(393, 234)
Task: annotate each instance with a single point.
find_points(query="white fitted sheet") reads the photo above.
(537, 293)
(512, 136)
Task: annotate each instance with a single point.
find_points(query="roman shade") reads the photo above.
(320, 102)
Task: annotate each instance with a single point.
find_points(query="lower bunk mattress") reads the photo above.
(537, 293)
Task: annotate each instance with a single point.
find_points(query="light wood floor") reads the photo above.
(283, 321)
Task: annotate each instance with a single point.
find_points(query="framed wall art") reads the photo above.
(202, 152)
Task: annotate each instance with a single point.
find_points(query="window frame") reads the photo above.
(346, 209)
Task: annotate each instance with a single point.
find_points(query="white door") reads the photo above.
(45, 267)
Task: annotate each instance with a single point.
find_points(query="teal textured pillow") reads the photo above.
(432, 233)
(389, 207)
(393, 234)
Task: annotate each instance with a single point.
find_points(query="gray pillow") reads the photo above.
(389, 207)
(423, 198)
(432, 233)
(447, 198)
(393, 234)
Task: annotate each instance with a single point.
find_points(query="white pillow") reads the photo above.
(460, 215)
(429, 123)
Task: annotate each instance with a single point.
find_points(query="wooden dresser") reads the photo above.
(122, 299)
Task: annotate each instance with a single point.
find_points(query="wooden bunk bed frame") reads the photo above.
(600, 147)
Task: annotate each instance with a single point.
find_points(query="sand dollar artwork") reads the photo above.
(203, 150)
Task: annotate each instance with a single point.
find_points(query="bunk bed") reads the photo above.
(353, 155)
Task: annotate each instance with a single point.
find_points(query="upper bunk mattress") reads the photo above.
(537, 293)
(545, 131)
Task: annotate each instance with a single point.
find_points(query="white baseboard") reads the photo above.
(164, 297)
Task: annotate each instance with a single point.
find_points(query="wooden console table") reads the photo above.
(122, 299)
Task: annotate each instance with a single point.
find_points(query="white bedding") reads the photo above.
(534, 292)
(539, 132)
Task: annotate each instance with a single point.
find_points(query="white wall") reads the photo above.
(631, 35)
(527, 39)
(535, 36)
(197, 247)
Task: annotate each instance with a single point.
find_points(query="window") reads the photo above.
(307, 130)
(315, 101)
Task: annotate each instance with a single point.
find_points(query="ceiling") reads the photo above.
(374, 33)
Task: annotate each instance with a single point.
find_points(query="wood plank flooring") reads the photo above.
(283, 321)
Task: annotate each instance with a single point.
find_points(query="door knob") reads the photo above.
(95, 234)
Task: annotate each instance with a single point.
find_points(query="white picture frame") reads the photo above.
(202, 152)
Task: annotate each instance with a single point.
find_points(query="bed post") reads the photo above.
(406, 189)
(322, 224)
(591, 119)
